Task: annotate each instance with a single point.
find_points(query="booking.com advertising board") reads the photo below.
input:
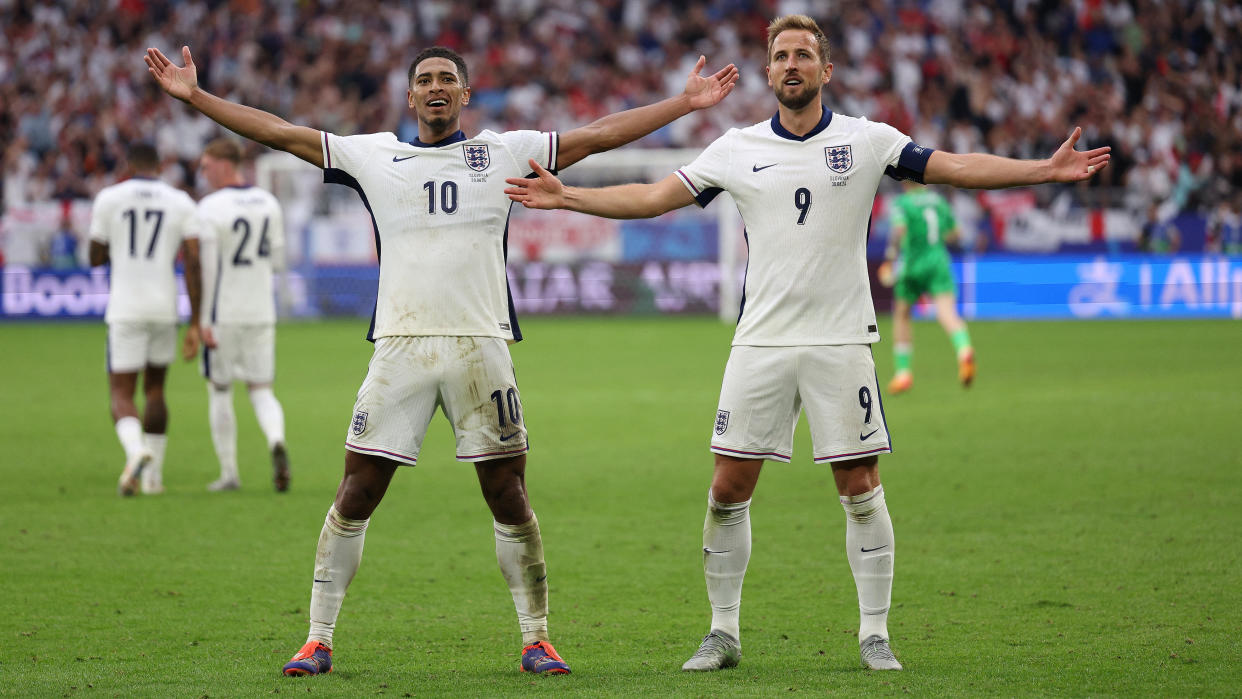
(991, 287)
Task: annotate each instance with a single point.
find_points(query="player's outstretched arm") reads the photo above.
(545, 191)
(621, 128)
(983, 171)
(254, 124)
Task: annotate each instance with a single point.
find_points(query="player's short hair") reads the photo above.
(781, 24)
(224, 148)
(142, 156)
(442, 52)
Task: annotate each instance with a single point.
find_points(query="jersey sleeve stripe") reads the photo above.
(702, 197)
(554, 146)
(327, 151)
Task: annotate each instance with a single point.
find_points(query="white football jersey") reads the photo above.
(441, 222)
(143, 222)
(242, 240)
(806, 202)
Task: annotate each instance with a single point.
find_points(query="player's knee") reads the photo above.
(857, 476)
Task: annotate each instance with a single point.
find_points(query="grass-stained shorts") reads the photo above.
(471, 378)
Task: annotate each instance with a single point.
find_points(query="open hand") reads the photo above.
(178, 82)
(706, 92)
(1069, 165)
(543, 191)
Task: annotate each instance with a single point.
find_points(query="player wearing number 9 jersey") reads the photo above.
(443, 317)
(243, 245)
(804, 183)
(137, 227)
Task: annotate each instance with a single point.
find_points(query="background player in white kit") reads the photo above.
(138, 226)
(242, 241)
(804, 183)
(443, 316)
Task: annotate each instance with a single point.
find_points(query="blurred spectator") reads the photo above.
(1158, 234)
(63, 245)
(1161, 80)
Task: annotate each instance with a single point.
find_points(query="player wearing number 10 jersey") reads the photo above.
(137, 227)
(243, 245)
(804, 183)
(443, 317)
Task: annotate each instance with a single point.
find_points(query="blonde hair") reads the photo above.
(802, 22)
(224, 148)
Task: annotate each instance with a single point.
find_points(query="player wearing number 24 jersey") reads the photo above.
(443, 317)
(243, 245)
(804, 183)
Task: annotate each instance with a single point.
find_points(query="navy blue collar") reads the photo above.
(236, 186)
(785, 133)
(148, 178)
(459, 136)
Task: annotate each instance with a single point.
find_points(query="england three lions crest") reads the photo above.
(477, 157)
(360, 422)
(840, 158)
(722, 421)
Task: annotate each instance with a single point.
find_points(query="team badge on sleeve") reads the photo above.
(360, 422)
(722, 421)
(477, 157)
(840, 158)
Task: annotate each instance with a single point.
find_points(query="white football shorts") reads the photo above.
(471, 378)
(135, 345)
(243, 352)
(765, 388)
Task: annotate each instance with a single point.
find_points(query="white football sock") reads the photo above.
(726, 553)
(223, 428)
(271, 416)
(336, 561)
(869, 547)
(519, 551)
(153, 474)
(129, 431)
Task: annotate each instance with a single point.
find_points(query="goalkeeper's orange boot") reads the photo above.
(966, 367)
(901, 383)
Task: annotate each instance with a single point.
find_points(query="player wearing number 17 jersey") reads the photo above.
(137, 227)
(243, 245)
(443, 318)
(804, 183)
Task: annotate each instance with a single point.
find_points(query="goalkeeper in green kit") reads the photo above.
(917, 263)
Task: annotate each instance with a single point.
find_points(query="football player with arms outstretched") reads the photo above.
(444, 315)
(804, 182)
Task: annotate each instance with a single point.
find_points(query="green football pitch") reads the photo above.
(1072, 525)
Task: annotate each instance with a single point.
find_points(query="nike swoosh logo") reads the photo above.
(707, 550)
(756, 168)
(541, 578)
(324, 581)
(864, 549)
(863, 437)
(395, 159)
(507, 437)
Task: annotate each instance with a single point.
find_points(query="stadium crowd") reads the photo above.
(1159, 80)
